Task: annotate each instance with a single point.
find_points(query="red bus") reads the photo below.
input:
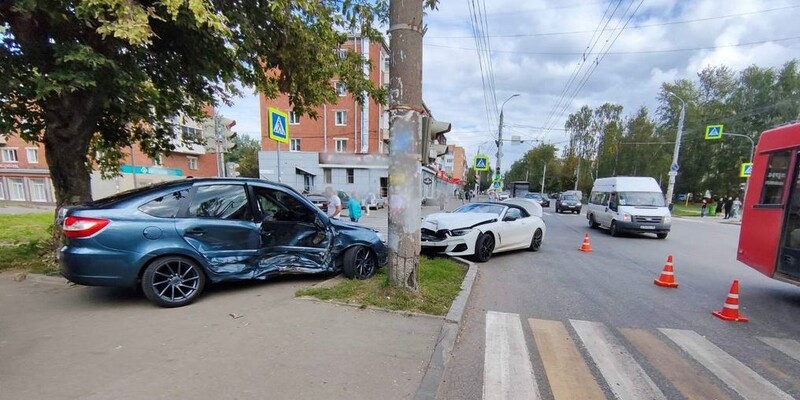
(770, 235)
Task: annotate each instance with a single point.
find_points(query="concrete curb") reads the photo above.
(447, 336)
(37, 278)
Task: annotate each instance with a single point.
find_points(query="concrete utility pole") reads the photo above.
(500, 134)
(405, 130)
(676, 152)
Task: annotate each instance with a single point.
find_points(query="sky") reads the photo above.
(537, 51)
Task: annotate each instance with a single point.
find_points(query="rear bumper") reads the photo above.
(97, 268)
(569, 208)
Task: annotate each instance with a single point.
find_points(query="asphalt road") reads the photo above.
(594, 325)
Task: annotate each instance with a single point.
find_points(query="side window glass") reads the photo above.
(166, 206)
(276, 205)
(221, 202)
(778, 167)
(513, 212)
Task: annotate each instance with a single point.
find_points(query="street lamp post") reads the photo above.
(500, 132)
(676, 152)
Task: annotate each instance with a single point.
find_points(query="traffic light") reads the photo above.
(434, 144)
(228, 136)
(232, 169)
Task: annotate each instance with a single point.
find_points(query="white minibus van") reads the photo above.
(629, 204)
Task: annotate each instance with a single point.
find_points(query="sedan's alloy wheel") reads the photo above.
(173, 281)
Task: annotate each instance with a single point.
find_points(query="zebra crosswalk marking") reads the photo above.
(789, 347)
(625, 377)
(745, 381)
(567, 372)
(684, 375)
(507, 372)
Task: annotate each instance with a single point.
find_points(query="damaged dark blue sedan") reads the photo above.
(174, 238)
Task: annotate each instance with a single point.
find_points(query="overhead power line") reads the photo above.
(642, 26)
(616, 53)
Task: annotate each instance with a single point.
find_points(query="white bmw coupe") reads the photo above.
(479, 230)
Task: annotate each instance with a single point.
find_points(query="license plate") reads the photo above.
(647, 227)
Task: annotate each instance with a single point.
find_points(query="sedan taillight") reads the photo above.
(82, 227)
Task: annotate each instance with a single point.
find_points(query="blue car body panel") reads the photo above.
(226, 249)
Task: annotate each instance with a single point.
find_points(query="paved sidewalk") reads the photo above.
(62, 342)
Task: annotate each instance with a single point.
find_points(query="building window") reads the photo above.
(294, 118)
(341, 89)
(341, 53)
(351, 175)
(294, 145)
(2, 189)
(328, 175)
(16, 188)
(192, 162)
(341, 118)
(341, 145)
(10, 155)
(33, 155)
(189, 133)
(387, 63)
(38, 190)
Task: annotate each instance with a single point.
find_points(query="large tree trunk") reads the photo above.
(405, 96)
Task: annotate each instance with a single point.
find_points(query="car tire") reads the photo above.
(613, 229)
(484, 247)
(536, 240)
(173, 281)
(359, 263)
(661, 235)
(592, 223)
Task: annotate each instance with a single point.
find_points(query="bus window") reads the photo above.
(772, 193)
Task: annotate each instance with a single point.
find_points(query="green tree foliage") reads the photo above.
(531, 168)
(246, 155)
(96, 76)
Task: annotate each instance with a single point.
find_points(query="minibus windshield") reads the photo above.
(645, 199)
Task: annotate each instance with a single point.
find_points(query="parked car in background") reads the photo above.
(375, 202)
(318, 200)
(568, 202)
(173, 238)
(503, 195)
(536, 196)
(479, 230)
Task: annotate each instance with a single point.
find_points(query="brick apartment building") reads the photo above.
(454, 162)
(25, 177)
(345, 147)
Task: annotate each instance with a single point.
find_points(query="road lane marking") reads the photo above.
(566, 370)
(624, 375)
(789, 347)
(684, 375)
(507, 370)
(733, 372)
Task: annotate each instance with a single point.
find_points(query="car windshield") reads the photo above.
(650, 199)
(570, 197)
(533, 196)
(481, 208)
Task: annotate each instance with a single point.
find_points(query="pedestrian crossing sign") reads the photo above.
(746, 170)
(481, 163)
(714, 132)
(278, 127)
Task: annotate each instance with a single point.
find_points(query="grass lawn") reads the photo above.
(24, 242)
(680, 210)
(439, 280)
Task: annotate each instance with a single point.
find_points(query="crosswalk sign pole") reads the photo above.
(279, 161)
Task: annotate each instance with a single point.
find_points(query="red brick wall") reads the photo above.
(22, 157)
(311, 131)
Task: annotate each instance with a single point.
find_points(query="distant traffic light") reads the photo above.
(232, 169)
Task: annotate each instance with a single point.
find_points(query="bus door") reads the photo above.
(789, 256)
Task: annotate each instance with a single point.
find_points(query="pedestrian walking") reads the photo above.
(729, 208)
(737, 207)
(461, 196)
(354, 207)
(703, 208)
(334, 203)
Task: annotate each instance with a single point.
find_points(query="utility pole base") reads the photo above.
(404, 271)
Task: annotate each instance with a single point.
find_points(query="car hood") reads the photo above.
(439, 221)
(354, 230)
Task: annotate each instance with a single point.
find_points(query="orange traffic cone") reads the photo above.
(586, 245)
(730, 310)
(667, 278)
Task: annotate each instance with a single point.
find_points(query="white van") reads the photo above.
(629, 204)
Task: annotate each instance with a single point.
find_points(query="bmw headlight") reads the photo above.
(626, 217)
(668, 219)
(460, 232)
